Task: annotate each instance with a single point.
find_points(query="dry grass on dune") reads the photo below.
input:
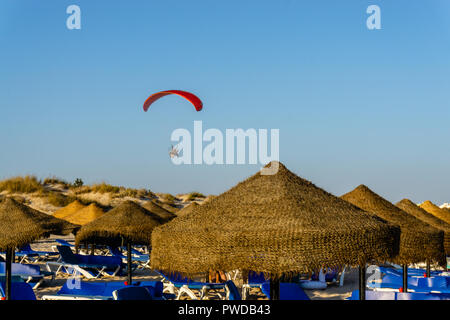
(27, 184)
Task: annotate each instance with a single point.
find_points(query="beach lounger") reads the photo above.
(29, 255)
(392, 282)
(75, 289)
(19, 291)
(231, 292)
(254, 280)
(288, 291)
(384, 295)
(178, 285)
(133, 293)
(143, 260)
(89, 266)
(29, 273)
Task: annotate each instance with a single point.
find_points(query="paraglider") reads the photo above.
(192, 98)
(174, 152)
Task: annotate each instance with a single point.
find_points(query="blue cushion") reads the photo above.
(288, 291)
(19, 291)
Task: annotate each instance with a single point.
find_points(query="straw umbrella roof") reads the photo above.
(128, 222)
(165, 206)
(277, 224)
(411, 208)
(159, 211)
(418, 242)
(69, 209)
(188, 209)
(436, 211)
(85, 215)
(21, 225)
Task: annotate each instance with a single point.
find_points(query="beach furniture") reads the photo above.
(29, 273)
(143, 260)
(89, 266)
(231, 292)
(288, 291)
(385, 295)
(178, 285)
(19, 291)
(26, 254)
(75, 289)
(133, 293)
(392, 282)
(254, 280)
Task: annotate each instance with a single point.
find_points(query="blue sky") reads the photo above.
(353, 105)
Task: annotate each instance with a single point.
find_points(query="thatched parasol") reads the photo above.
(410, 207)
(71, 208)
(159, 211)
(127, 223)
(418, 242)
(166, 206)
(85, 215)
(188, 209)
(21, 225)
(430, 207)
(277, 224)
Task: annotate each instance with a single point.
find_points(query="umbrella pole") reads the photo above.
(362, 282)
(129, 262)
(405, 278)
(274, 289)
(428, 268)
(9, 252)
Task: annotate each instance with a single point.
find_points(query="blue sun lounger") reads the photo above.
(435, 284)
(288, 291)
(142, 259)
(28, 273)
(176, 284)
(75, 289)
(29, 255)
(89, 266)
(19, 290)
(390, 295)
(134, 293)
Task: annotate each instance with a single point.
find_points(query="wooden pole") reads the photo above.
(428, 268)
(129, 263)
(405, 278)
(274, 289)
(362, 282)
(9, 252)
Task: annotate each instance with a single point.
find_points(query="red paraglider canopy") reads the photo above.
(192, 98)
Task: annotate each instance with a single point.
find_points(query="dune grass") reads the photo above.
(26, 184)
(195, 195)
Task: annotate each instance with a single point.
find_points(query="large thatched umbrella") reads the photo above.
(418, 241)
(127, 223)
(21, 225)
(277, 224)
(430, 207)
(188, 209)
(413, 209)
(159, 211)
